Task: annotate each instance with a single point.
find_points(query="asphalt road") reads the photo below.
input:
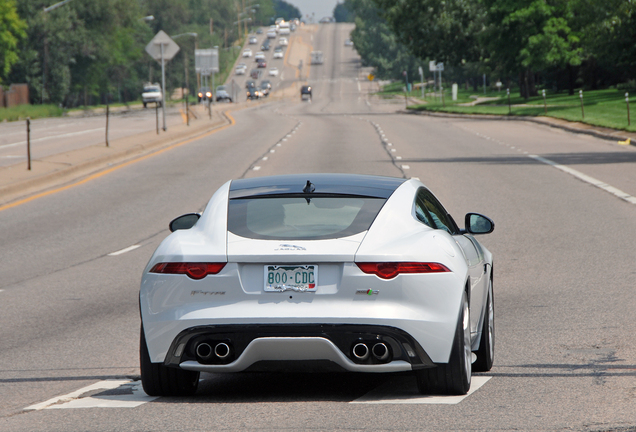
(564, 272)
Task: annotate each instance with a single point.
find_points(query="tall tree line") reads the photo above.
(87, 50)
(561, 44)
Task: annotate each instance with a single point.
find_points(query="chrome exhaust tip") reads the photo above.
(380, 351)
(360, 351)
(222, 350)
(204, 351)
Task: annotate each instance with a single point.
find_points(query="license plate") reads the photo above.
(298, 278)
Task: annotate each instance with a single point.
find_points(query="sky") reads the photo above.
(322, 8)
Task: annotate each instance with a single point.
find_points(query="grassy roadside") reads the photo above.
(605, 108)
(21, 112)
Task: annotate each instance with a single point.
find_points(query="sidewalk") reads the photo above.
(55, 171)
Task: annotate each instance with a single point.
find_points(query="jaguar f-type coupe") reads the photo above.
(332, 272)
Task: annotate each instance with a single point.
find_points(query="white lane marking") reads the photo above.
(12, 157)
(587, 179)
(406, 393)
(265, 158)
(1, 290)
(393, 150)
(406, 167)
(115, 394)
(123, 251)
(256, 168)
(51, 137)
(272, 151)
(398, 157)
(359, 88)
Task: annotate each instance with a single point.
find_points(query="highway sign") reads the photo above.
(206, 61)
(370, 77)
(170, 47)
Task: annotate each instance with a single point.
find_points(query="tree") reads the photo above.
(442, 30)
(12, 29)
(377, 44)
(342, 14)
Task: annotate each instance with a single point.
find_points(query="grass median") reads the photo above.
(605, 108)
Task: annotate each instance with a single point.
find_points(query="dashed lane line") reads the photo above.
(124, 250)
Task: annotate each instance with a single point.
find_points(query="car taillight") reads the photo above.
(389, 270)
(193, 270)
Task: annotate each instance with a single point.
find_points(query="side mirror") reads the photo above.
(478, 224)
(184, 222)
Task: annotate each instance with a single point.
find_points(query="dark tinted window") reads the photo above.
(430, 212)
(293, 218)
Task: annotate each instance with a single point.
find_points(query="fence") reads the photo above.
(18, 94)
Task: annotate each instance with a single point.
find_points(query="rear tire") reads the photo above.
(452, 378)
(159, 380)
(486, 352)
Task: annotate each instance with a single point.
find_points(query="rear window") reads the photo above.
(298, 218)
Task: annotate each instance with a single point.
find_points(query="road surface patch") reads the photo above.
(403, 390)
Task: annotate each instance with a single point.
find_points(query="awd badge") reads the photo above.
(368, 292)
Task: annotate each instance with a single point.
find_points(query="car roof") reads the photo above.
(340, 184)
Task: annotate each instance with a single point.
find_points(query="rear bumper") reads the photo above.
(262, 347)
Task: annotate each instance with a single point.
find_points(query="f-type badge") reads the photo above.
(368, 292)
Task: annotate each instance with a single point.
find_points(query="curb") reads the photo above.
(573, 129)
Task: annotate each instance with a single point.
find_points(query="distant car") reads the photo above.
(273, 71)
(278, 53)
(266, 45)
(151, 94)
(327, 20)
(265, 87)
(305, 271)
(271, 34)
(247, 52)
(254, 93)
(241, 69)
(283, 42)
(348, 42)
(204, 94)
(255, 73)
(259, 31)
(259, 56)
(261, 64)
(305, 92)
(250, 83)
(222, 94)
(253, 40)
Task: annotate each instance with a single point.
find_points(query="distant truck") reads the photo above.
(151, 93)
(283, 28)
(316, 57)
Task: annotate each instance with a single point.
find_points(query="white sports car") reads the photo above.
(323, 272)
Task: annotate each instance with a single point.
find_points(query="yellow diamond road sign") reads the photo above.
(370, 77)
